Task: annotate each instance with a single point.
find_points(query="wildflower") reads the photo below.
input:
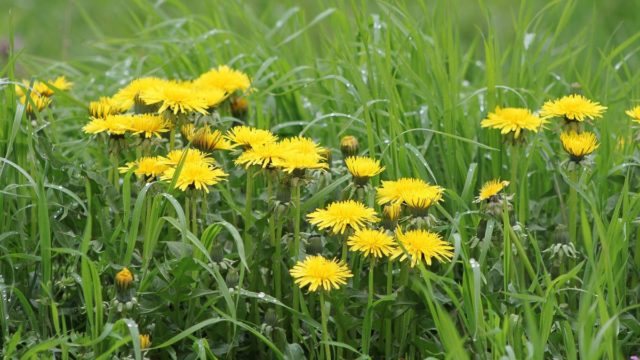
(349, 146)
(176, 97)
(572, 108)
(300, 154)
(211, 96)
(372, 242)
(105, 106)
(262, 155)
(634, 114)
(224, 78)
(512, 120)
(148, 125)
(35, 102)
(248, 137)
(204, 138)
(44, 88)
(414, 192)
(190, 155)
(579, 145)
(114, 125)
(362, 168)
(391, 212)
(490, 189)
(147, 167)
(145, 341)
(317, 271)
(420, 244)
(131, 94)
(195, 175)
(124, 278)
(343, 214)
(60, 83)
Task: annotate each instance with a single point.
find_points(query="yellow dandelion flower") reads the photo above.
(204, 138)
(421, 244)
(61, 83)
(391, 212)
(177, 98)
(513, 120)
(248, 137)
(36, 102)
(341, 215)
(224, 78)
(372, 242)
(105, 106)
(211, 96)
(124, 278)
(579, 145)
(44, 88)
(145, 341)
(573, 107)
(131, 94)
(148, 125)
(362, 168)
(634, 114)
(303, 145)
(419, 201)
(349, 146)
(115, 125)
(192, 156)
(319, 272)
(297, 163)
(262, 155)
(410, 191)
(491, 188)
(195, 175)
(147, 167)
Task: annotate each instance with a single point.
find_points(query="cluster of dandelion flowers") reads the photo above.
(247, 137)
(35, 102)
(372, 242)
(579, 145)
(319, 272)
(512, 120)
(204, 138)
(572, 108)
(491, 189)
(195, 175)
(45, 89)
(363, 168)
(421, 244)
(341, 215)
(415, 193)
(147, 167)
(130, 95)
(634, 114)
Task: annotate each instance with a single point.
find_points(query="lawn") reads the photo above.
(321, 180)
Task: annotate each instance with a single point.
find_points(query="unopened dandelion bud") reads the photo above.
(270, 318)
(123, 279)
(349, 146)
(232, 278)
(315, 245)
(145, 341)
(391, 212)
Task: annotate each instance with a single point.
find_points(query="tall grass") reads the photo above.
(411, 80)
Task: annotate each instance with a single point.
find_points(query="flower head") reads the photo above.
(391, 212)
(416, 193)
(114, 125)
(105, 106)
(579, 145)
(573, 108)
(148, 125)
(319, 272)
(44, 88)
(204, 138)
(300, 154)
(195, 175)
(248, 137)
(491, 188)
(349, 146)
(224, 78)
(124, 278)
(147, 167)
(634, 114)
(362, 168)
(343, 214)
(372, 242)
(190, 156)
(145, 341)
(176, 97)
(35, 102)
(419, 244)
(513, 120)
(131, 94)
(262, 155)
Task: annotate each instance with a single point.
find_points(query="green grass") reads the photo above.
(412, 82)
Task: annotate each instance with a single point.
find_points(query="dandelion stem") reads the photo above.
(573, 208)
(325, 331)
(275, 242)
(387, 323)
(295, 254)
(366, 325)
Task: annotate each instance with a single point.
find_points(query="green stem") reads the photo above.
(573, 209)
(276, 243)
(366, 325)
(325, 331)
(388, 340)
(194, 217)
(295, 254)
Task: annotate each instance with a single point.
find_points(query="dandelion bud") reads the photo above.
(239, 107)
(349, 146)
(232, 278)
(391, 212)
(270, 318)
(145, 341)
(315, 246)
(124, 278)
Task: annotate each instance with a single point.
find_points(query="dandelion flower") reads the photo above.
(349, 146)
(195, 175)
(490, 189)
(300, 154)
(343, 214)
(319, 272)
(131, 94)
(413, 192)
(573, 108)
(105, 106)
(391, 212)
(148, 167)
(579, 145)
(513, 120)
(224, 78)
(124, 278)
(422, 244)
(634, 114)
(204, 138)
(145, 341)
(61, 83)
(248, 137)
(148, 125)
(372, 242)
(35, 101)
(175, 97)
(362, 168)
(211, 96)
(262, 155)
(192, 156)
(114, 125)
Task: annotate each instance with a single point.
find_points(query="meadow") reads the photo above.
(319, 180)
